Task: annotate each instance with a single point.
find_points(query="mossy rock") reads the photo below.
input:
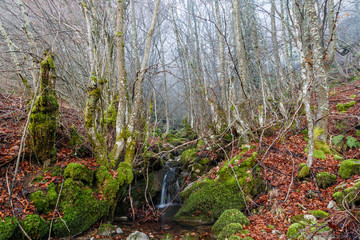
(349, 167)
(36, 227)
(229, 230)
(40, 201)
(348, 194)
(304, 172)
(8, 227)
(230, 216)
(338, 157)
(319, 214)
(187, 157)
(106, 230)
(325, 179)
(81, 209)
(294, 231)
(79, 172)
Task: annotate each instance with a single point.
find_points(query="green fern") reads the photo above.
(351, 142)
(338, 140)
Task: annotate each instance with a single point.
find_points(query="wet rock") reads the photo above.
(107, 230)
(137, 236)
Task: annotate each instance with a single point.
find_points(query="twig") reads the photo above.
(57, 202)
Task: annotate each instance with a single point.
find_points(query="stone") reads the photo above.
(325, 179)
(119, 231)
(331, 204)
(137, 236)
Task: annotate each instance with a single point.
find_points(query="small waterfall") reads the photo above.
(170, 189)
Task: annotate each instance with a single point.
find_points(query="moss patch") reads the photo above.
(294, 231)
(319, 214)
(230, 216)
(79, 172)
(187, 157)
(8, 227)
(229, 230)
(345, 107)
(304, 172)
(349, 168)
(36, 227)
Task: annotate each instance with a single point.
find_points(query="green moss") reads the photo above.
(303, 173)
(294, 231)
(319, 154)
(319, 214)
(52, 196)
(325, 179)
(345, 107)
(8, 227)
(110, 115)
(35, 226)
(40, 201)
(349, 168)
(125, 174)
(349, 194)
(353, 96)
(130, 150)
(229, 230)
(79, 172)
(81, 209)
(230, 216)
(188, 157)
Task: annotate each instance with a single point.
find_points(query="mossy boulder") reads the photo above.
(319, 154)
(319, 214)
(350, 195)
(36, 227)
(294, 231)
(229, 230)
(79, 172)
(45, 202)
(349, 167)
(230, 216)
(325, 179)
(209, 198)
(304, 172)
(81, 209)
(187, 157)
(201, 144)
(8, 227)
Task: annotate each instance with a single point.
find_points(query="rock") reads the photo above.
(325, 179)
(349, 194)
(188, 157)
(310, 218)
(294, 230)
(121, 219)
(107, 230)
(137, 236)
(119, 231)
(349, 168)
(331, 204)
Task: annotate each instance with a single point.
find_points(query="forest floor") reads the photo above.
(280, 166)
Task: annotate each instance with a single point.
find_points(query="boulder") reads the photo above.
(325, 179)
(137, 236)
(349, 168)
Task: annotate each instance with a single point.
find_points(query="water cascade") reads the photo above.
(170, 189)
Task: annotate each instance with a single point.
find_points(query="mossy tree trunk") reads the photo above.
(43, 118)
